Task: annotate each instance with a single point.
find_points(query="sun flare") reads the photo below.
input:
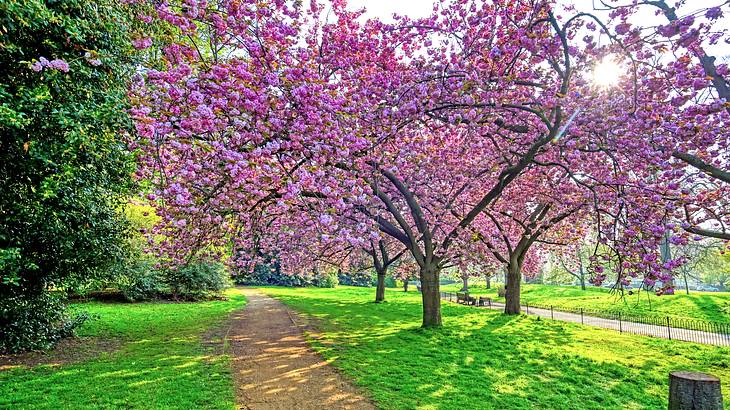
(607, 72)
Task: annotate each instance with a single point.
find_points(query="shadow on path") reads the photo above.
(274, 367)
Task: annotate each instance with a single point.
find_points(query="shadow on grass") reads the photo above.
(483, 359)
(162, 362)
(157, 374)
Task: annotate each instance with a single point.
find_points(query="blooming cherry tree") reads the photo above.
(270, 128)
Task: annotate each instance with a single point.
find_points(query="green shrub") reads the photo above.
(35, 322)
(325, 280)
(361, 278)
(197, 280)
(141, 281)
(269, 274)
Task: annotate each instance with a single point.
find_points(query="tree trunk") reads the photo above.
(489, 282)
(512, 288)
(464, 284)
(430, 295)
(694, 391)
(380, 290)
(666, 254)
(582, 272)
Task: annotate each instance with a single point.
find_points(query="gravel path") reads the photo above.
(274, 368)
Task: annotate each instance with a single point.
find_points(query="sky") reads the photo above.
(419, 8)
(384, 10)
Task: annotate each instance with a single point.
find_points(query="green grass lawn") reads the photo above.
(160, 362)
(712, 306)
(482, 359)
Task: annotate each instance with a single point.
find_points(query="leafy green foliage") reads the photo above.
(136, 276)
(325, 280)
(140, 278)
(715, 269)
(64, 169)
(139, 281)
(197, 280)
(362, 278)
(269, 274)
(35, 322)
(482, 359)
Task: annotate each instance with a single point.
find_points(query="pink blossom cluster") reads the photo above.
(55, 64)
(472, 138)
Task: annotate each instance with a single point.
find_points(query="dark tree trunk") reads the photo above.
(405, 285)
(581, 272)
(380, 290)
(666, 254)
(464, 284)
(694, 391)
(430, 295)
(512, 288)
(489, 282)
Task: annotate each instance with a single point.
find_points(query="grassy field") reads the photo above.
(483, 359)
(712, 306)
(159, 362)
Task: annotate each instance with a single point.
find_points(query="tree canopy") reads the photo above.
(278, 128)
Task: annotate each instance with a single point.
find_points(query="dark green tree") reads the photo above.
(64, 166)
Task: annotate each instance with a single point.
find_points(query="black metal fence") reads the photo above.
(667, 327)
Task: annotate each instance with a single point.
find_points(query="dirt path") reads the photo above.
(273, 366)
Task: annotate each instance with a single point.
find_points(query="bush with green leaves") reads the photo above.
(64, 167)
(362, 278)
(137, 277)
(325, 280)
(139, 281)
(196, 280)
(34, 322)
(269, 274)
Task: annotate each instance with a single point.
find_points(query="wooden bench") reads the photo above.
(485, 301)
(465, 298)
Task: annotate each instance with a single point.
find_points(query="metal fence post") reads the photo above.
(704, 332)
(620, 326)
(669, 329)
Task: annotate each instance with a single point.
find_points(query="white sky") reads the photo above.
(384, 10)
